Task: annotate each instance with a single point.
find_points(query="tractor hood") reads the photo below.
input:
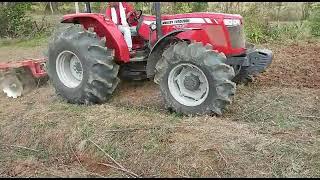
(203, 15)
(199, 17)
(224, 31)
(217, 18)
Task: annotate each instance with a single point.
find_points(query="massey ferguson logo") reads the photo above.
(178, 26)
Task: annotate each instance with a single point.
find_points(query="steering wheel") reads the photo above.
(134, 16)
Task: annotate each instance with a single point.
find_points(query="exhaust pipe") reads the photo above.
(158, 20)
(88, 7)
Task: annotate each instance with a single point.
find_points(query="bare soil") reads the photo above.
(295, 65)
(270, 130)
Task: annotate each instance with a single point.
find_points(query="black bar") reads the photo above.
(88, 7)
(158, 19)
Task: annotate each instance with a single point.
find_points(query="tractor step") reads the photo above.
(139, 56)
(138, 59)
(133, 71)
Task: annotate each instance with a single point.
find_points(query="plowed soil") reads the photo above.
(294, 65)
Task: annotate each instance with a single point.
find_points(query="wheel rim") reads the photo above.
(69, 69)
(188, 84)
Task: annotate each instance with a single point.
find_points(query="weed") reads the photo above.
(87, 129)
(314, 20)
(45, 125)
(114, 151)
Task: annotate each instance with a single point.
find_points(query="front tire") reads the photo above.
(194, 80)
(80, 67)
(243, 76)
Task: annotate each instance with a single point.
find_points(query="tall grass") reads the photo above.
(314, 20)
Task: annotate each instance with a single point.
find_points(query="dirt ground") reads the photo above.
(295, 65)
(270, 130)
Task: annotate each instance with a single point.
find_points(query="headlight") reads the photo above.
(153, 26)
(231, 22)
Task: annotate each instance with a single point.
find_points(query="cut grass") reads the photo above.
(23, 43)
(260, 135)
(189, 147)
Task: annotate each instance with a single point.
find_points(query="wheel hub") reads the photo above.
(188, 84)
(191, 82)
(76, 68)
(69, 69)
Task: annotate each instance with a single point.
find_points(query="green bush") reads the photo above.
(97, 7)
(314, 20)
(14, 22)
(182, 7)
(288, 31)
(199, 6)
(68, 8)
(256, 26)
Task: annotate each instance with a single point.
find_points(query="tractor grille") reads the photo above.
(237, 36)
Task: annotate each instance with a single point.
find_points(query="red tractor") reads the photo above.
(195, 58)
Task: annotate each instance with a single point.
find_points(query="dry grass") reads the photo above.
(43, 136)
(269, 143)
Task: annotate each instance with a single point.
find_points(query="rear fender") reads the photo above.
(104, 28)
(158, 48)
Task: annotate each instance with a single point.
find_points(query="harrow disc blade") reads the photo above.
(11, 85)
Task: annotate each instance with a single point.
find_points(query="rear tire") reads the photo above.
(194, 80)
(80, 67)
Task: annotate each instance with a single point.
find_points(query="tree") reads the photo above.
(279, 4)
(182, 7)
(51, 6)
(199, 6)
(76, 4)
(306, 10)
(314, 20)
